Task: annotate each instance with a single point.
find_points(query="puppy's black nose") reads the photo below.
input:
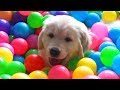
(54, 52)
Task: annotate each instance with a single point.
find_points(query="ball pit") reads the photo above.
(19, 55)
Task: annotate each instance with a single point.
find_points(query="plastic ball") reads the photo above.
(6, 54)
(34, 20)
(104, 68)
(105, 39)
(108, 74)
(4, 38)
(88, 53)
(105, 44)
(3, 65)
(17, 17)
(81, 72)
(58, 72)
(31, 51)
(37, 32)
(46, 70)
(4, 25)
(52, 12)
(89, 63)
(18, 58)
(20, 76)
(34, 62)
(107, 55)
(61, 13)
(118, 43)
(20, 46)
(38, 75)
(11, 37)
(116, 64)
(114, 34)
(91, 19)
(79, 15)
(109, 16)
(7, 45)
(46, 16)
(92, 77)
(32, 41)
(25, 13)
(21, 30)
(94, 40)
(96, 57)
(100, 29)
(5, 76)
(45, 13)
(15, 67)
(7, 15)
(72, 64)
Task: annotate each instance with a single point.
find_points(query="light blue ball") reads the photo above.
(79, 15)
(19, 58)
(114, 34)
(99, 13)
(105, 44)
(21, 30)
(104, 68)
(118, 43)
(52, 12)
(91, 19)
(96, 57)
(116, 64)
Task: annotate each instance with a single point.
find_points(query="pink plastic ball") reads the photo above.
(105, 39)
(92, 77)
(20, 46)
(7, 46)
(4, 38)
(108, 74)
(59, 72)
(94, 39)
(100, 29)
(25, 13)
(71, 72)
(32, 41)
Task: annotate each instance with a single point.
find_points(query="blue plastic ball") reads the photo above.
(104, 68)
(99, 13)
(79, 15)
(52, 12)
(105, 44)
(114, 34)
(118, 43)
(61, 13)
(116, 64)
(21, 30)
(91, 19)
(19, 58)
(96, 57)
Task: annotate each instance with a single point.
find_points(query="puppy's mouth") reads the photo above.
(56, 61)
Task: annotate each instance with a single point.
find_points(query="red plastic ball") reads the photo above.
(59, 72)
(45, 13)
(20, 46)
(37, 32)
(25, 13)
(34, 62)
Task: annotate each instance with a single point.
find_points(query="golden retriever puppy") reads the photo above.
(62, 38)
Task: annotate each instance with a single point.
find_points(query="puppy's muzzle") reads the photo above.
(54, 52)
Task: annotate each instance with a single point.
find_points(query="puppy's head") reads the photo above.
(62, 38)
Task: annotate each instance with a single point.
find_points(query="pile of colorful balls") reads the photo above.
(19, 57)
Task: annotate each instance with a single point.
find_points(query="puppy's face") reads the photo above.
(59, 41)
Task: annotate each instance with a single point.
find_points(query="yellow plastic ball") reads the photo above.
(20, 76)
(81, 72)
(109, 16)
(6, 54)
(89, 63)
(38, 75)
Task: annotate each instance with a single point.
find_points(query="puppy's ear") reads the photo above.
(40, 44)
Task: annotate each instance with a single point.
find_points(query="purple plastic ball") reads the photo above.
(61, 13)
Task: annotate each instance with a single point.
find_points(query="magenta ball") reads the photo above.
(7, 45)
(92, 77)
(100, 29)
(59, 72)
(32, 41)
(94, 42)
(108, 74)
(4, 38)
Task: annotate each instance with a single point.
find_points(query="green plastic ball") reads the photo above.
(3, 65)
(15, 67)
(72, 64)
(88, 53)
(35, 20)
(5, 76)
(11, 37)
(31, 51)
(46, 16)
(107, 55)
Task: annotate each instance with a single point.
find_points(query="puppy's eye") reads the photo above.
(51, 35)
(68, 39)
